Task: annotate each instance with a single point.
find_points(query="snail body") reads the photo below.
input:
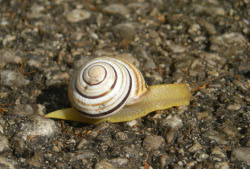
(110, 89)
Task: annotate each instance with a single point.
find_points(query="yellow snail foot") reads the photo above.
(73, 115)
(160, 97)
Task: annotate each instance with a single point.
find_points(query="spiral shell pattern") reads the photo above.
(105, 85)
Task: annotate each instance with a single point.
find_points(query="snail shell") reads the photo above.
(104, 86)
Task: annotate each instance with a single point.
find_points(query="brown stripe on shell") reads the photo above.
(93, 105)
(101, 95)
(90, 105)
(136, 78)
(141, 96)
(134, 71)
(98, 82)
(116, 107)
(143, 82)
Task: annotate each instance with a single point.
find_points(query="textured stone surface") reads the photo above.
(202, 43)
(241, 154)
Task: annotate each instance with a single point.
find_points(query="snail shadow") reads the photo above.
(55, 98)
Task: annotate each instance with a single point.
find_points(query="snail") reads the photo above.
(111, 89)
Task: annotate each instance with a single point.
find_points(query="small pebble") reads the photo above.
(1, 129)
(86, 154)
(104, 165)
(116, 9)
(125, 31)
(173, 122)
(165, 160)
(22, 110)
(81, 144)
(244, 67)
(234, 107)
(8, 56)
(129, 58)
(36, 160)
(152, 143)
(229, 129)
(39, 126)
(194, 29)
(221, 165)
(36, 11)
(60, 165)
(3, 95)
(78, 15)
(150, 64)
(132, 123)
(200, 156)
(8, 39)
(39, 109)
(217, 154)
(229, 43)
(195, 147)
(4, 22)
(34, 63)
(13, 78)
(121, 136)
(6, 163)
(175, 48)
(215, 136)
(119, 162)
(170, 136)
(4, 143)
(191, 164)
(211, 10)
(213, 73)
(210, 28)
(241, 154)
(130, 152)
(149, 61)
(55, 149)
(61, 76)
(202, 115)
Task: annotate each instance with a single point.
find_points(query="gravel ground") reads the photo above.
(204, 42)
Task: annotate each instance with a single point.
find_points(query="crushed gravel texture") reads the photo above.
(203, 43)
